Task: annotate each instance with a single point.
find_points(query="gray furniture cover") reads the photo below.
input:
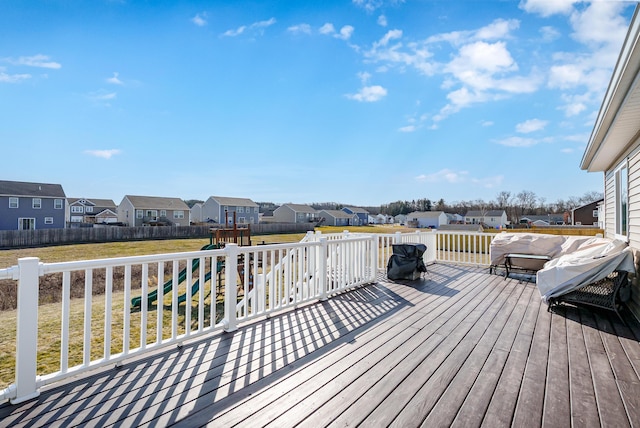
(406, 261)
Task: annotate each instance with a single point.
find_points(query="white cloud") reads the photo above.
(369, 94)
(327, 28)
(600, 23)
(531, 125)
(368, 5)
(364, 77)
(42, 61)
(200, 19)
(13, 78)
(235, 32)
(486, 123)
(518, 142)
(114, 80)
(382, 21)
(345, 32)
(105, 154)
(300, 29)
(408, 128)
(548, 7)
(498, 29)
(102, 96)
(257, 27)
(549, 34)
(567, 150)
(446, 175)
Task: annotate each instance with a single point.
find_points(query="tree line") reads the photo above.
(516, 205)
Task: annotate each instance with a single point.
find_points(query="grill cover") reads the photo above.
(406, 261)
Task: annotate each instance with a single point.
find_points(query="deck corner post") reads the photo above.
(231, 287)
(309, 236)
(27, 330)
(397, 238)
(322, 268)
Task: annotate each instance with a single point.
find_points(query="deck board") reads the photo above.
(459, 347)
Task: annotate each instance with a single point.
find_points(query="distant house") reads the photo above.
(542, 220)
(27, 206)
(362, 215)
(587, 214)
(295, 213)
(220, 209)
(153, 211)
(455, 218)
(337, 217)
(431, 219)
(400, 219)
(491, 218)
(196, 213)
(90, 211)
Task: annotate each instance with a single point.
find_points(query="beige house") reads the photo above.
(614, 150)
(153, 211)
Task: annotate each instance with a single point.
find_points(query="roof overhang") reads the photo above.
(617, 125)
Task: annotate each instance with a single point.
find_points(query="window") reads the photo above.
(595, 213)
(139, 214)
(255, 210)
(240, 209)
(36, 203)
(77, 209)
(241, 220)
(88, 209)
(58, 204)
(622, 200)
(13, 202)
(178, 214)
(48, 220)
(163, 213)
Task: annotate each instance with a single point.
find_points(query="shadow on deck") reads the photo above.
(458, 347)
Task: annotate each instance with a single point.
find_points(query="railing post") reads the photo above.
(397, 238)
(231, 287)
(322, 268)
(374, 257)
(27, 330)
(309, 236)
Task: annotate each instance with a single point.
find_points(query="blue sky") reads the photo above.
(362, 102)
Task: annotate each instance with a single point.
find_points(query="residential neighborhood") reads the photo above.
(30, 206)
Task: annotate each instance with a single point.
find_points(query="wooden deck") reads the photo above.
(458, 348)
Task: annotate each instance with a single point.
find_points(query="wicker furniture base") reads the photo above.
(608, 293)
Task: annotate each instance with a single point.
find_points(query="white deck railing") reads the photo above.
(217, 290)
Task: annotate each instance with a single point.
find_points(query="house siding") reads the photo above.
(9, 216)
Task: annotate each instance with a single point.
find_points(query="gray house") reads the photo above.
(362, 215)
(220, 209)
(26, 206)
(91, 211)
(153, 211)
(295, 213)
(196, 212)
(337, 217)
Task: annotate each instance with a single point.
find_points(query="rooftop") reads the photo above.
(458, 347)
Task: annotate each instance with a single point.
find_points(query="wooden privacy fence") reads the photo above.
(49, 237)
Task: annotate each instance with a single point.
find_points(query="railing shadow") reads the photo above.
(209, 376)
